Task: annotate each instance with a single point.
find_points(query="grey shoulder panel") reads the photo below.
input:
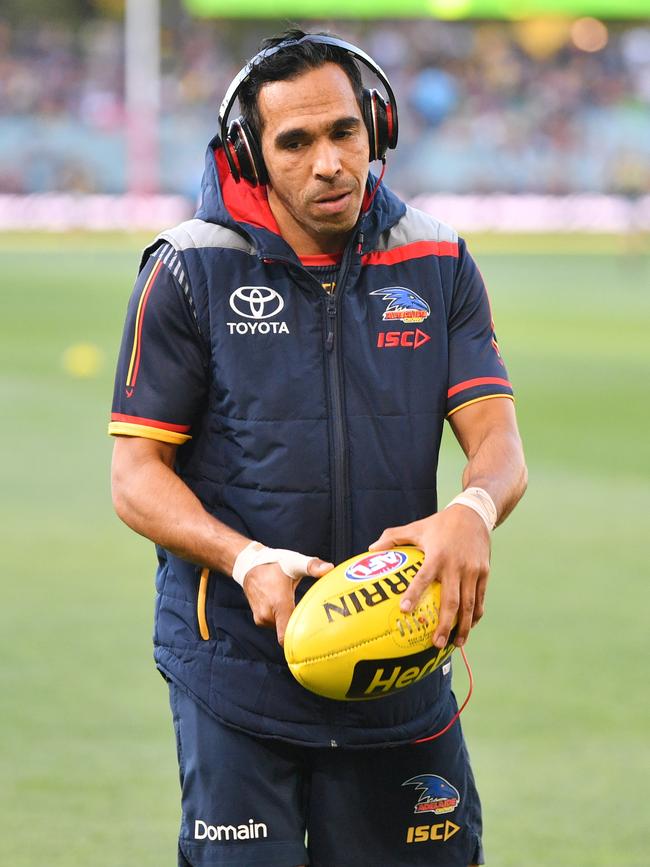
(416, 226)
(169, 257)
(199, 234)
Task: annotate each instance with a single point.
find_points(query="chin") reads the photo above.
(338, 225)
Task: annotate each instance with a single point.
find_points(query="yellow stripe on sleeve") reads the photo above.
(121, 428)
(136, 335)
(478, 399)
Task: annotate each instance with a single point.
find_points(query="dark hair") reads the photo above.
(290, 63)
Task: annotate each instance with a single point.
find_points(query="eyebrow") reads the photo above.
(290, 135)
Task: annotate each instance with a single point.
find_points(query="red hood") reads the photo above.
(244, 202)
(248, 204)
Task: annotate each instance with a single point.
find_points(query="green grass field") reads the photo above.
(558, 727)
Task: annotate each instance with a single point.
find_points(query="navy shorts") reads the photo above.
(257, 801)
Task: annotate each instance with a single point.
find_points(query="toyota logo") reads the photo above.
(256, 302)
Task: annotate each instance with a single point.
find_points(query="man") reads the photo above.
(288, 361)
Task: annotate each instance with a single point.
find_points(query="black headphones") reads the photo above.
(244, 151)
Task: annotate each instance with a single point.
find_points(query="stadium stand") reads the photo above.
(492, 106)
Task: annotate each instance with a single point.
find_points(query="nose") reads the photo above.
(327, 160)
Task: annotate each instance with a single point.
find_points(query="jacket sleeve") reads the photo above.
(476, 369)
(161, 378)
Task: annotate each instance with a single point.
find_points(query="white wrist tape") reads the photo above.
(292, 563)
(481, 502)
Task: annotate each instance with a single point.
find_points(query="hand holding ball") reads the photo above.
(348, 639)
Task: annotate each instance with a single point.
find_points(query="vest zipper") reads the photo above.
(340, 486)
(339, 479)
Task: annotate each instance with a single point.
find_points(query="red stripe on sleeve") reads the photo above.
(481, 380)
(416, 250)
(149, 422)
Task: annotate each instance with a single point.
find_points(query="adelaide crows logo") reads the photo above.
(404, 304)
(438, 796)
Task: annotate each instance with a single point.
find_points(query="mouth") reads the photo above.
(334, 202)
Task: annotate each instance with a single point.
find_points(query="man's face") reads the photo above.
(315, 146)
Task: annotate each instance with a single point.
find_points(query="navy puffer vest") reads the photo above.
(321, 428)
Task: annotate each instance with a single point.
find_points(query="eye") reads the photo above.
(342, 133)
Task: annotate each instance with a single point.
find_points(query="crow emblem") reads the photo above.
(436, 794)
(403, 304)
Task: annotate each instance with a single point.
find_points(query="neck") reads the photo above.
(301, 240)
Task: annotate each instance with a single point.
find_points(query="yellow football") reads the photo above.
(347, 638)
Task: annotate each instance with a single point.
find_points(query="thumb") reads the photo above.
(389, 538)
(317, 568)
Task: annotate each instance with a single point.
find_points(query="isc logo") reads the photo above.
(422, 833)
(409, 339)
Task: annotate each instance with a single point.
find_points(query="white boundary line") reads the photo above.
(56, 212)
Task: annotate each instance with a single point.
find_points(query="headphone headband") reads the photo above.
(242, 75)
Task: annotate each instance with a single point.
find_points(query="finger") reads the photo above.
(282, 615)
(262, 615)
(391, 537)
(479, 607)
(450, 600)
(412, 595)
(465, 610)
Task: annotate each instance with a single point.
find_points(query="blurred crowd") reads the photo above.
(541, 106)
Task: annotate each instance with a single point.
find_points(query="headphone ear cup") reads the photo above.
(391, 124)
(366, 110)
(376, 118)
(245, 153)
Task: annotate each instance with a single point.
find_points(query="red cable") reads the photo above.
(460, 709)
(379, 179)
